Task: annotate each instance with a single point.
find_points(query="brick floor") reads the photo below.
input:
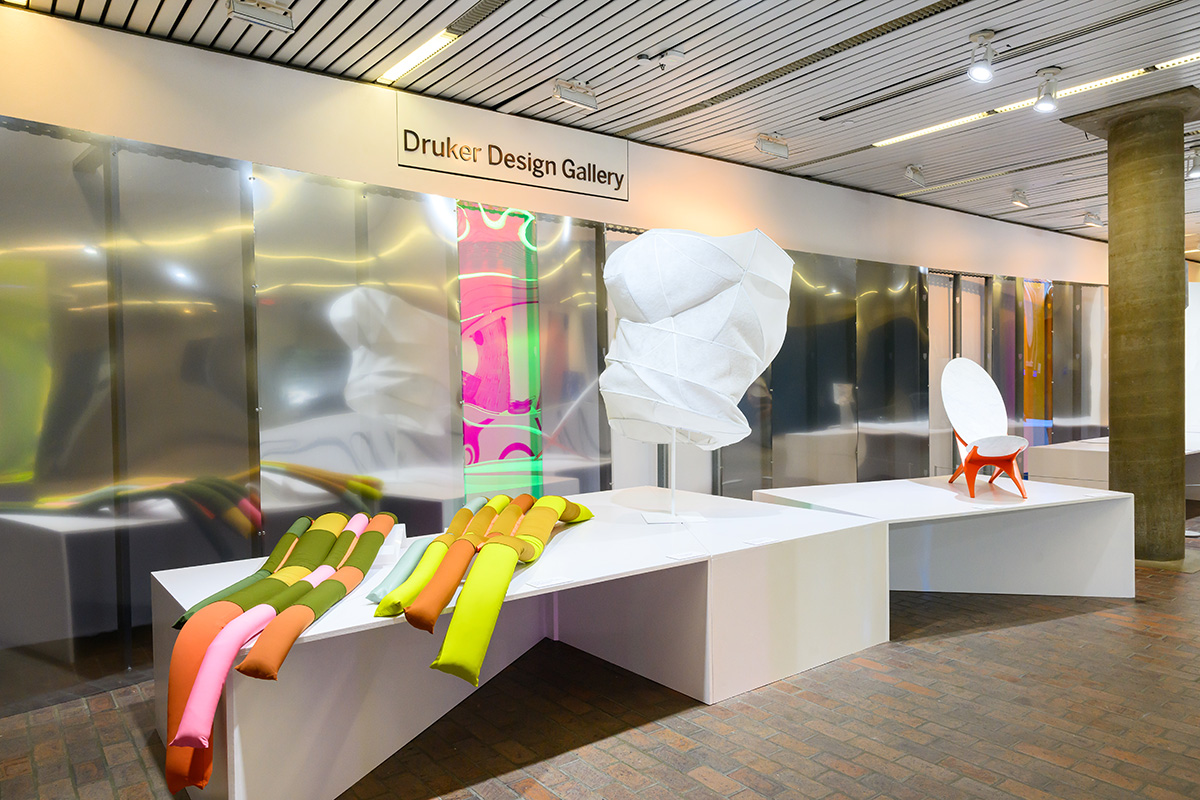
(977, 696)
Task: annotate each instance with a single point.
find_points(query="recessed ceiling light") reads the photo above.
(579, 95)
(981, 70)
(418, 57)
(1092, 220)
(772, 144)
(1047, 93)
(954, 123)
(1019, 199)
(913, 173)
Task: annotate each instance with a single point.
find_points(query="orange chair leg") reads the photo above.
(957, 472)
(1014, 473)
(972, 469)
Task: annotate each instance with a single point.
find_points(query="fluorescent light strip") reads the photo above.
(1086, 87)
(417, 57)
(954, 123)
(1083, 87)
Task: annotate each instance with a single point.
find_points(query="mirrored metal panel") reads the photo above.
(1006, 352)
(814, 431)
(972, 317)
(893, 371)
(941, 350)
(1039, 320)
(575, 439)
(1066, 335)
(357, 350)
(1093, 360)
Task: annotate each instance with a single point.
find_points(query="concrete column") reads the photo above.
(1147, 282)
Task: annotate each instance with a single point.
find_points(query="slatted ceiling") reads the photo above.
(66, 8)
(250, 40)
(595, 53)
(412, 33)
(367, 33)
(118, 12)
(194, 13)
(616, 65)
(91, 10)
(359, 26)
(486, 43)
(42, 5)
(501, 75)
(724, 61)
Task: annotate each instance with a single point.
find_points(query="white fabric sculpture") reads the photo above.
(698, 319)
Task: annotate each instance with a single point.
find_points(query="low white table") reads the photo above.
(1063, 540)
(751, 594)
(1085, 463)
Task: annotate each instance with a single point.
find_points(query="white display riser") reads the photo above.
(1085, 463)
(749, 595)
(1063, 540)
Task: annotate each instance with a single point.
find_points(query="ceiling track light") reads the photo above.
(1019, 199)
(667, 58)
(576, 94)
(1092, 220)
(1047, 93)
(913, 173)
(982, 54)
(275, 16)
(772, 144)
(1191, 163)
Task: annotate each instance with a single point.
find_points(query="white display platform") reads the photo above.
(1085, 463)
(1063, 540)
(752, 594)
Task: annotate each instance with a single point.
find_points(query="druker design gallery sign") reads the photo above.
(460, 140)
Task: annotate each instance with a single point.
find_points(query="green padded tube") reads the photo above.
(476, 612)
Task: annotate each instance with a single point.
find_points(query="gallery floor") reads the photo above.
(975, 696)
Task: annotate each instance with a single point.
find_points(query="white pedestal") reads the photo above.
(1085, 463)
(1063, 540)
(752, 594)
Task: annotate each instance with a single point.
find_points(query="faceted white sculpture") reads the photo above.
(698, 319)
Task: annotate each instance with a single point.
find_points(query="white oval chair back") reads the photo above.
(973, 403)
(976, 412)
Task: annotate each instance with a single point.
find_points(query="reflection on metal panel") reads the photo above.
(941, 350)
(357, 350)
(973, 321)
(1038, 317)
(1066, 362)
(814, 432)
(568, 272)
(1006, 350)
(893, 372)
(183, 336)
(1093, 358)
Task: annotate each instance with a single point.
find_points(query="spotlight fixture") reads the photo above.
(980, 70)
(275, 16)
(1047, 94)
(1019, 199)
(1092, 220)
(418, 57)
(667, 58)
(1192, 163)
(772, 144)
(579, 95)
(914, 174)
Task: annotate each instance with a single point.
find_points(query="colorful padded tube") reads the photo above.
(187, 766)
(267, 655)
(278, 554)
(195, 726)
(402, 596)
(412, 554)
(425, 609)
(479, 602)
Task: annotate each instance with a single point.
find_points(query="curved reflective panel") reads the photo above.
(357, 350)
(813, 412)
(893, 372)
(575, 439)
(941, 349)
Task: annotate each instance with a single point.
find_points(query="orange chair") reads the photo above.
(976, 411)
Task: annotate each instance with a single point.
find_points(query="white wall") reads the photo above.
(112, 83)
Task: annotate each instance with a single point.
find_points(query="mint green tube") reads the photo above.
(404, 567)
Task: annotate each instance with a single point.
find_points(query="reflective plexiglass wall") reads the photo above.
(941, 350)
